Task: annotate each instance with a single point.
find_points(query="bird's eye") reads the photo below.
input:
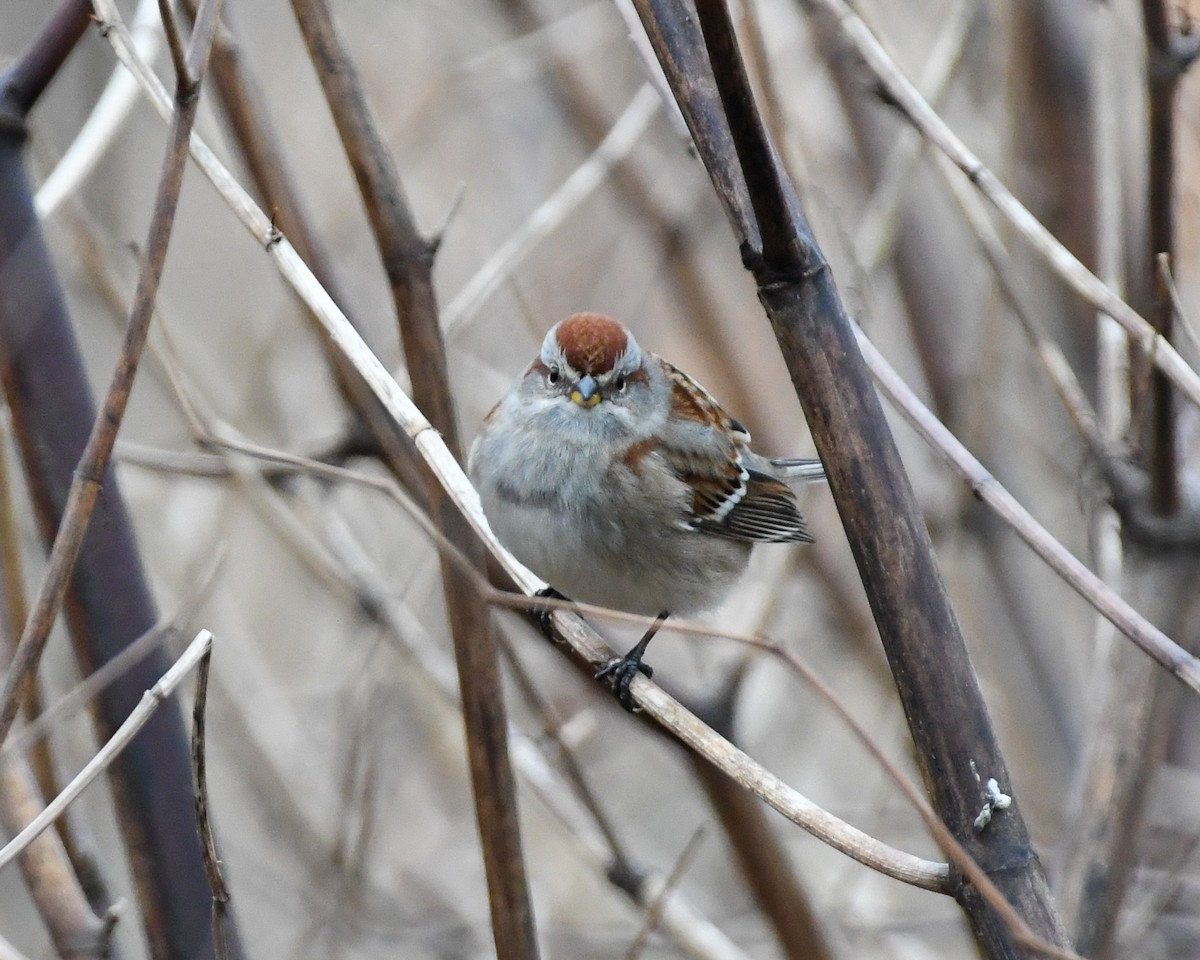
(619, 383)
(554, 375)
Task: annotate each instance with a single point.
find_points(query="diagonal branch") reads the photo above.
(90, 472)
(1079, 278)
(937, 685)
(151, 701)
(408, 261)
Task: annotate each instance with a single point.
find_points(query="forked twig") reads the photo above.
(1078, 277)
(151, 701)
(89, 476)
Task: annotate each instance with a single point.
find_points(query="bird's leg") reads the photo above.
(543, 614)
(623, 669)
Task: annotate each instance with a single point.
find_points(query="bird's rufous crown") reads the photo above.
(591, 342)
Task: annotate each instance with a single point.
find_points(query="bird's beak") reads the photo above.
(586, 392)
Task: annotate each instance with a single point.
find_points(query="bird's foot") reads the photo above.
(620, 672)
(543, 614)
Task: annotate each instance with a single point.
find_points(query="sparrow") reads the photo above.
(620, 481)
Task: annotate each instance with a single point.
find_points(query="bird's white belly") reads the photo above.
(598, 560)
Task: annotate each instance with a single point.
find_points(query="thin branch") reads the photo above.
(763, 858)
(76, 932)
(554, 210)
(1085, 283)
(1049, 355)
(950, 845)
(408, 262)
(9, 952)
(269, 166)
(1181, 314)
(878, 226)
(105, 121)
(75, 699)
(24, 80)
(1178, 662)
(1108, 786)
(174, 43)
(572, 769)
(1163, 74)
(90, 474)
(208, 846)
(151, 701)
(654, 910)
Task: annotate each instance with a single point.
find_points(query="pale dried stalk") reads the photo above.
(876, 233)
(106, 120)
(9, 952)
(1078, 277)
(151, 701)
(1049, 354)
(1137, 628)
(76, 932)
(656, 702)
(621, 139)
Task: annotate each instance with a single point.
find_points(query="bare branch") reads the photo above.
(106, 120)
(1085, 283)
(208, 846)
(151, 701)
(90, 473)
(408, 262)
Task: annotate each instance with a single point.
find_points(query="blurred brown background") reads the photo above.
(337, 770)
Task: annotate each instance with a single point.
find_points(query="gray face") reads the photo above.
(593, 402)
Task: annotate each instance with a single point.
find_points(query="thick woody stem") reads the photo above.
(408, 262)
(52, 411)
(267, 162)
(938, 689)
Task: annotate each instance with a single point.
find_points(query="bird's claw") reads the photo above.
(620, 672)
(543, 614)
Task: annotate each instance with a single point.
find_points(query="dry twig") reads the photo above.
(408, 262)
(151, 701)
(90, 473)
(208, 845)
(1085, 283)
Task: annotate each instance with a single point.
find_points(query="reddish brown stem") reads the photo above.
(256, 137)
(408, 262)
(44, 380)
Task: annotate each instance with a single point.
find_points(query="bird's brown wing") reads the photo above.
(704, 448)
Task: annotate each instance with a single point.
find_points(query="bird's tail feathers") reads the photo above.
(797, 470)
